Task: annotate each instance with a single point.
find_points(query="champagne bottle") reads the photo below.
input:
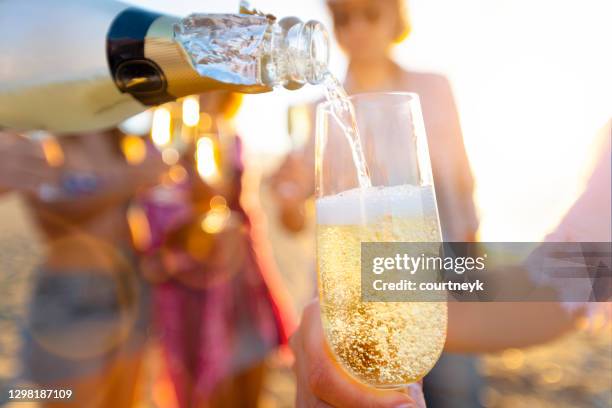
(82, 65)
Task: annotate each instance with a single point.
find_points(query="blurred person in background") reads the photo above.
(367, 31)
(88, 316)
(218, 306)
(480, 327)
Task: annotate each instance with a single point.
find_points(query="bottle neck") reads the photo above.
(148, 57)
(300, 52)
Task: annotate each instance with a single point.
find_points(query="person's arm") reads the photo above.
(23, 166)
(293, 184)
(488, 327)
(118, 182)
(114, 190)
(25, 169)
(494, 326)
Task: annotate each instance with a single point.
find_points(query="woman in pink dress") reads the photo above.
(218, 305)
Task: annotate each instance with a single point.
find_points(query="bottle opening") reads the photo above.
(318, 51)
(308, 46)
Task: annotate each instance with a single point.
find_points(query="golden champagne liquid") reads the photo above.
(384, 344)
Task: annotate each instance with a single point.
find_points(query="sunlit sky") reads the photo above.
(533, 82)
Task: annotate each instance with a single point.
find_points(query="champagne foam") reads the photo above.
(369, 205)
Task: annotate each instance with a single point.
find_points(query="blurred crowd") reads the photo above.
(153, 233)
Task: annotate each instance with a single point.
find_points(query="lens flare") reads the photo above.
(513, 358)
(161, 131)
(177, 174)
(134, 149)
(54, 155)
(139, 227)
(191, 111)
(207, 166)
(218, 202)
(216, 219)
(170, 156)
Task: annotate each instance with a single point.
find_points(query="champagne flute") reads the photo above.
(383, 344)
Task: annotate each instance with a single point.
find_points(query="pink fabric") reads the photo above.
(213, 333)
(214, 320)
(165, 214)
